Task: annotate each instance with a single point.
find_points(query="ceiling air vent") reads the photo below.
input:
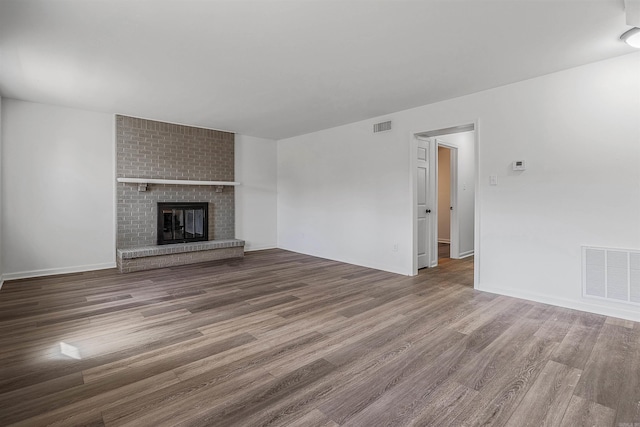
(381, 127)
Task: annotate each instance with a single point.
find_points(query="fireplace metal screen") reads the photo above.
(182, 222)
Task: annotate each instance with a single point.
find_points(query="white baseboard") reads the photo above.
(588, 306)
(350, 261)
(465, 254)
(447, 241)
(259, 248)
(1, 281)
(54, 271)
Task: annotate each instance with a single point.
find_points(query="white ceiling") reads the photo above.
(282, 68)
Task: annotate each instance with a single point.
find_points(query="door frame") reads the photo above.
(461, 126)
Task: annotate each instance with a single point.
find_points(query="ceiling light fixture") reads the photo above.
(632, 37)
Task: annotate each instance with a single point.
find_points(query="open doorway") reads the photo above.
(461, 199)
(445, 200)
(445, 203)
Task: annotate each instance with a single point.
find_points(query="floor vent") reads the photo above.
(381, 127)
(611, 274)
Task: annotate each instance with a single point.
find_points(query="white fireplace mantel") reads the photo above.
(143, 182)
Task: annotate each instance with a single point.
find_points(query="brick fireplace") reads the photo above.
(158, 150)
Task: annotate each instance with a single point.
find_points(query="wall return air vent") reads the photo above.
(611, 274)
(381, 127)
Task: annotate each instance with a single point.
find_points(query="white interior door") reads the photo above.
(423, 211)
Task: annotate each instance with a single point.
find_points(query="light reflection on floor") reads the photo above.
(70, 351)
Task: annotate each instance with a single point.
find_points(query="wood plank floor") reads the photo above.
(280, 338)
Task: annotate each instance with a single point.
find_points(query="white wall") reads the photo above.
(344, 193)
(1, 262)
(465, 142)
(256, 170)
(57, 191)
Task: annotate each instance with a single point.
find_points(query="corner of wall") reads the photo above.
(256, 198)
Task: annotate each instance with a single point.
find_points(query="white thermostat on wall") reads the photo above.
(518, 165)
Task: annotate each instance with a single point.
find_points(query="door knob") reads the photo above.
(428, 210)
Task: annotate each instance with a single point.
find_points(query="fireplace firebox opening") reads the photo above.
(182, 222)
